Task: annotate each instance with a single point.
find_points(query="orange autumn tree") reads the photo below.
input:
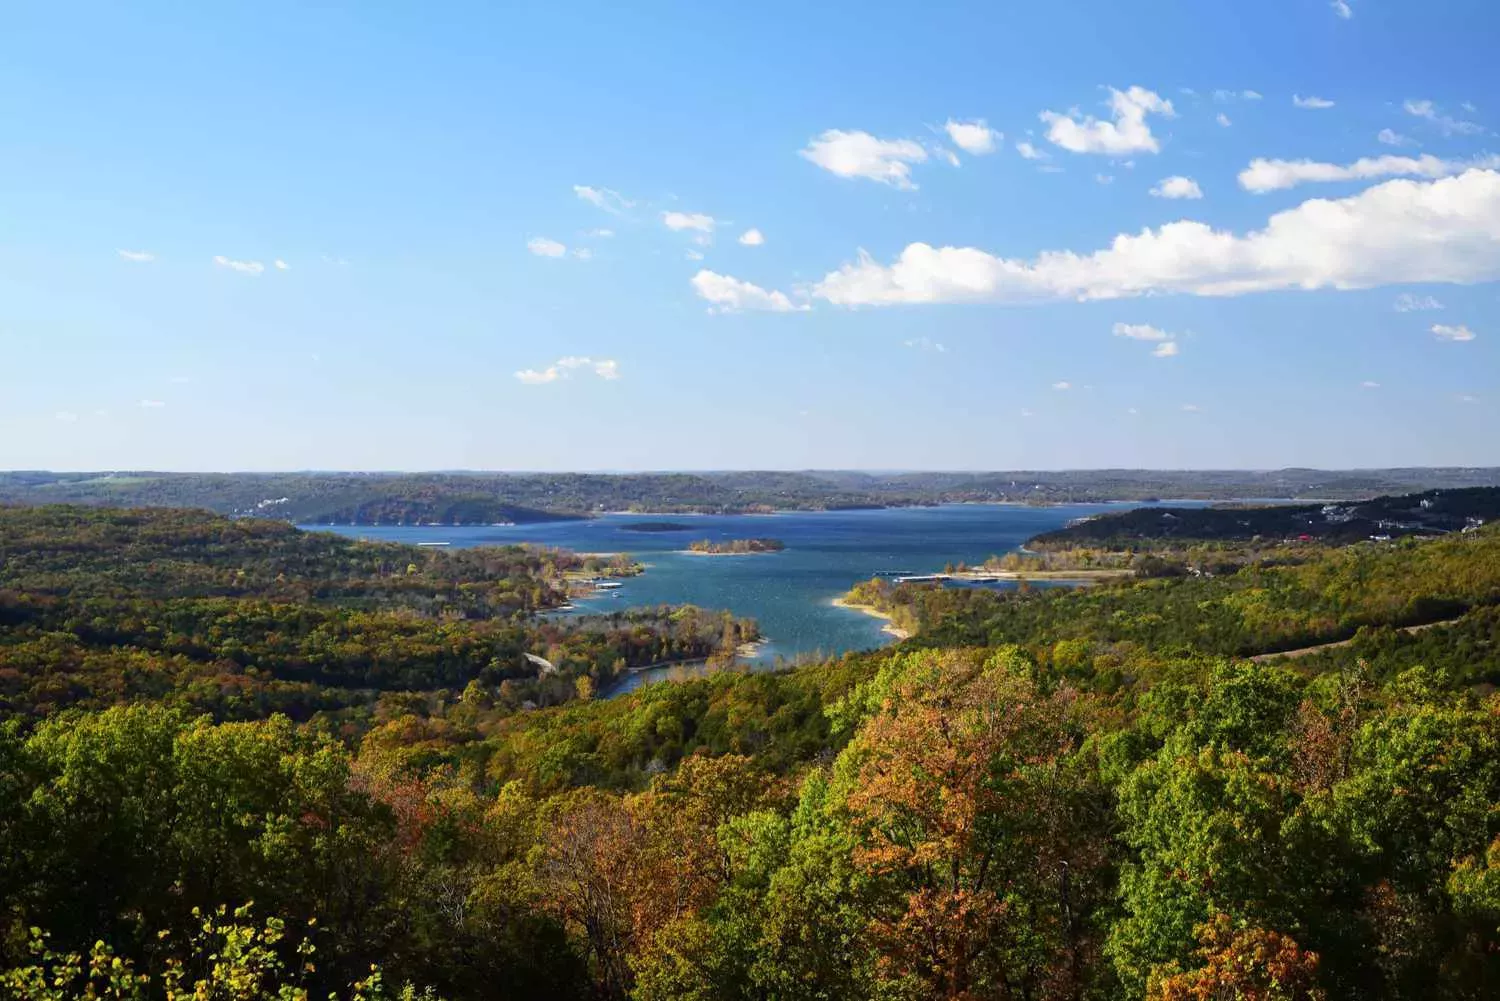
(1246, 964)
(967, 816)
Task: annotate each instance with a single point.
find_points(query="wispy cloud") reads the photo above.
(726, 294)
(1177, 186)
(1369, 384)
(694, 221)
(541, 246)
(243, 267)
(1140, 332)
(151, 404)
(1428, 111)
(136, 256)
(1192, 408)
(66, 416)
(1460, 332)
(603, 198)
(859, 154)
(1310, 102)
(1391, 137)
(1408, 303)
(563, 368)
(1223, 119)
(1030, 152)
(925, 344)
(1125, 132)
(1342, 8)
(1274, 175)
(1062, 384)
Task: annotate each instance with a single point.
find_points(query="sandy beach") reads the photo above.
(890, 627)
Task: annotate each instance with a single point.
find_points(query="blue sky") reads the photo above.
(436, 182)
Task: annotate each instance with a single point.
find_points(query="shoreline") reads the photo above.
(890, 628)
(753, 552)
(1080, 575)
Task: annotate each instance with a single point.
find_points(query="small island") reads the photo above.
(735, 547)
(655, 526)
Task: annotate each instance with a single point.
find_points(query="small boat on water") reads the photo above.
(434, 544)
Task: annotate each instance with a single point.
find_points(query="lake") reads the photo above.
(788, 593)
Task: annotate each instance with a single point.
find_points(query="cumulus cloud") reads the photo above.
(752, 238)
(1140, 332)
(1408, 303)
(1166, 349)
(1030, 152)
(1447, 125)
(695, 222)
(243, 267)
(1062, 385)
(973, 137)
(727, 295)
(603, 198)
(1443, 332)
(543, 247)
(859, 154)
(1177, 187)
(1313, 103)
(281, 265)
(1273, 175)
(136, 256)
(1125, 132)
(1400, 231)
(604, 368)
(1392, 138)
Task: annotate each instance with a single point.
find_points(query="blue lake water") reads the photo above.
(789, 593)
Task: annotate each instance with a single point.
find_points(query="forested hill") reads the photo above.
(1432, 512)
(489, 498)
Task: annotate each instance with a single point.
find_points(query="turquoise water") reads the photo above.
(788, 593)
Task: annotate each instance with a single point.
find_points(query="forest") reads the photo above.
(242, 761)
(476, 498)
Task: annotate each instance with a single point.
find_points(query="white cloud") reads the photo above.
(1191, 408)
(1104, 178)
(1225, 96)
(66, 416)
(151, 404)
(1392, 138)
(1027, 413)
(693, 255)
(1062, 385)
(1400, 231)
(1166, 349)
(243, 267)
(925, 344)
(1273, 175)
(1314, 103)
(583, 253)
(1222, 119)
(694, 221)
(1342, 8)
(1466, 398)
(973, 137)
(1443, 332)
(604, 368)
(600, 234)
(752, 238)
(1030, 152)
(543, 247)
(1408, 303)
(610, 201)
(1448, 126)
(1140, 332)
(859, 154)
(1126, 133)
(1177, 187)
(727, 295)
(1250, 95)
(1369, 384)
(137, 256)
